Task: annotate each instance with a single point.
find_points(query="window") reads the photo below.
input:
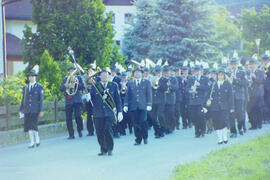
(128, 18)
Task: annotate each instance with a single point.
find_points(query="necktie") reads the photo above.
(31, 87)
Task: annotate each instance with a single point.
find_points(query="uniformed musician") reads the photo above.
(107, 110)
(89, 80)
(198, 90)
(32, 107)
(222, 104)
(73, 100)
(256, 94)
(138, 101)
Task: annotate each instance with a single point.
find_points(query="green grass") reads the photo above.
(249, 161)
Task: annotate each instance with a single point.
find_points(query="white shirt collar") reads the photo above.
(32, 84)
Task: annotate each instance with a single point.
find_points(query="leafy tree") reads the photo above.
(256, 25)
(81, 24)
(11, 89)
(227, 35)
(116, 56)
(50, 74)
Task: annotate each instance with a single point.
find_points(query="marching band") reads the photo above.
(168, 97)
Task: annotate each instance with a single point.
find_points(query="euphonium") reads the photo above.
(73, 83)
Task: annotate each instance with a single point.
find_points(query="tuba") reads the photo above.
(73, 84)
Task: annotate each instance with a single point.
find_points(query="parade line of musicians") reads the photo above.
(166, 98)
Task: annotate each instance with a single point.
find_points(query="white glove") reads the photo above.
(125, 109)
(148, 108)
(204, 110)
(120, 116)
(21, 115)
(87, 97)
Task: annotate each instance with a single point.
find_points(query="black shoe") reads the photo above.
(184, 127)
(90, 134)
(177, 128)
(162, 135)
(136, 144)
(157, 137)
(241, 133)
(197, 136)
(31, 146)
(38, 144)
(220, 142)
(145, 141)
(116, 136)
(71, 137)
(109, 153)
(225, 142)
(102, 154)
(80, 134)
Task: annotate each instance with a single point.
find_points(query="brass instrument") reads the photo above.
(124, 87)
(209, 101)
(251, 76)
(193, 88)
(155, 84)
(89, 80)
(168, 84)
(72, 84)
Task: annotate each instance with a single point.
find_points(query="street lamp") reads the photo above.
(258, 41)
(3, 43)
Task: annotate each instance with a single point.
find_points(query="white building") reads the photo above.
(20, 13)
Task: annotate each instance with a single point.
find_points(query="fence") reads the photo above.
(9, 114)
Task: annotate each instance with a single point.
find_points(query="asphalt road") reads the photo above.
(58, 158)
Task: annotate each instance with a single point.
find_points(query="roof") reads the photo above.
(14, 47)
(118, 2)
(20, 10)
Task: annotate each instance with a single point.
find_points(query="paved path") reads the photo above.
(58, 158)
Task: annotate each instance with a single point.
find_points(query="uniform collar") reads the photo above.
(32, 84)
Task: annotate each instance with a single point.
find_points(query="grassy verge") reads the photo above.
(241, 161)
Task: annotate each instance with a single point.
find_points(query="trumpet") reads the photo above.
(72, 84)
(91, 79)
(155, 83)
(124, 88)
(193, 88)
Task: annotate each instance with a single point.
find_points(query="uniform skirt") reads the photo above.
(220, 119)
(30, 122)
